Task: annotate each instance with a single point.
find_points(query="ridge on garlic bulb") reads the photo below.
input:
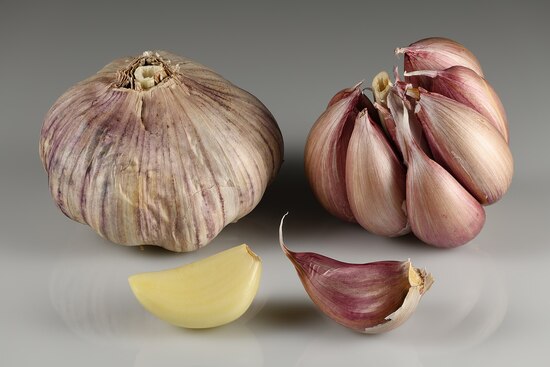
(160, 150)
(446, 132)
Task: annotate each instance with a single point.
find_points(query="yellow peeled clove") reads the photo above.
(466, 143)
(369, 298)
(208, 293)
(375, 180)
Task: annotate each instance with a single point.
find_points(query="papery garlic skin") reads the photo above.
(466, 143)
(436, 53)
(166, 159)
(467, 87)
(369, 298)
(375, 180)
(326, 149)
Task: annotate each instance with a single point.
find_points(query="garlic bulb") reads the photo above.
(369, 298)
(437, 154)
(159, 150)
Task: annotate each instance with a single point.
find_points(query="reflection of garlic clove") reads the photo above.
(370, 298)
(436, 53)
(326, 148)
(375, 180)
(468, 144)
(159, 150)
(467, 87)
(207, 293)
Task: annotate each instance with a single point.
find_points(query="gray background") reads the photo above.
(64, 299)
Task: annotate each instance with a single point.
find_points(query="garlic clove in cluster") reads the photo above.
(375, 180)
(467, 144)
(369, 298)
(436, 53)
(326, 148)
(441, 212)
(158, 149)
(466, 86)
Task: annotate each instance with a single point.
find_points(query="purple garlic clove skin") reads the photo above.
(369, 298)
(375, 180)
(466, 86)
(467, 144)
(436, 53)
(441, 212)
(326, 149)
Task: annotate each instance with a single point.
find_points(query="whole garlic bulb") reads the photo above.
(160, 150)
(430, 154)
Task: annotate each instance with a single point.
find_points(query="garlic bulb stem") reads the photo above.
(147, 76)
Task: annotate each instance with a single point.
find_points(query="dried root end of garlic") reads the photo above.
(159, 150)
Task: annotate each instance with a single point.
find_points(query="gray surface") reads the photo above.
(64, 297)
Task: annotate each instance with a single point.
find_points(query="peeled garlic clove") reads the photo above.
(369, 298)
(467, 87)
(441, 212)
(326, 148)
(207, 293)
(467, 144)
(375, 180)
(436, 53)
(159, 150)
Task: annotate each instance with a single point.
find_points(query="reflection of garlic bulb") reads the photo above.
(159, 150)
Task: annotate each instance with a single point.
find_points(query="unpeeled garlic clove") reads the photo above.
(369, 298)
(326, 148)
(436, 53)
(441, 212)
(375, 180)
(467, 144)
(466, 86)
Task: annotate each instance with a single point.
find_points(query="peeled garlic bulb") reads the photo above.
(158, 149)
(369, 298)
(429, 163)
(207, 293)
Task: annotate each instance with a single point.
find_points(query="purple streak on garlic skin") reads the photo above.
(466, 143)
(375, 180)
(441, 212)
(326, 149)
(436, 53)
(369, 298)
(466, 86)
(169, 166)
